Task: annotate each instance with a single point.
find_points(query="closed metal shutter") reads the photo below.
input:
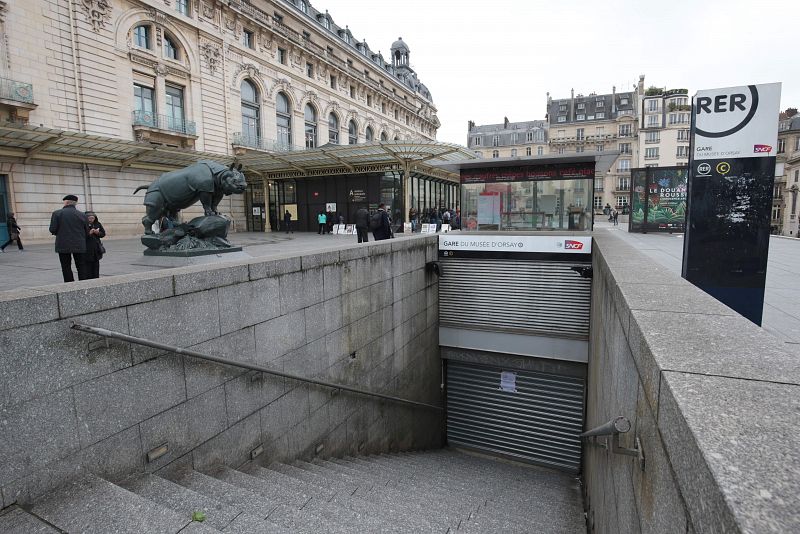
(541, 422)
(545, 298)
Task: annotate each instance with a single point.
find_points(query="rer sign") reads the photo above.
(736, 122)
(729, 194)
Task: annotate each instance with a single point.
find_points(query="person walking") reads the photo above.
(322, 219)
(13, 233)
(287, 221)
(380, 224)
(70, 227)
(94, 247)
(615, 216)
(362, 225)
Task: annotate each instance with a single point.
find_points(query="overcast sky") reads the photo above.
(485, 60)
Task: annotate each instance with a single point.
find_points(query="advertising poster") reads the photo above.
(658, 199)
(489, 208)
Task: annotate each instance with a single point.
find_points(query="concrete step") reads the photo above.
(181, 499)
(389, 513)
(93, 505)
(316, 505)
(281, 479)
(438, 515)
(18, 521)
(234, 496)
(274, 493)
(447, 505)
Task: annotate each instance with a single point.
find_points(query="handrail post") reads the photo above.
(615, 427)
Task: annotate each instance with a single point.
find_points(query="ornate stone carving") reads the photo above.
(207, 10)
(230, 23)
(212, 54)
(249, 68)
(308, 96)
(97, 13)
(331, 108)
(281, 84)
(161, 69)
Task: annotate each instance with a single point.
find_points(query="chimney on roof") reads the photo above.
(470, 125)
(613, 100)
(505, 122)
(640, 87)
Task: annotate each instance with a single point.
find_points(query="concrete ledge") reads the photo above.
(27, 306)
(721, 397)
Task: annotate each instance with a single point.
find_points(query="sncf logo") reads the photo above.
(572, 245)
(762, 148)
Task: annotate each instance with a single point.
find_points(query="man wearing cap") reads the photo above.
(70, 227)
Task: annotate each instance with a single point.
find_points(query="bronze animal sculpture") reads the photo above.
(206, 181)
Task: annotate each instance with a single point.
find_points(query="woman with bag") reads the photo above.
(94, 247)
(13, 233)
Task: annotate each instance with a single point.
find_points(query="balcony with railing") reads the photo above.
(166, 123)
(242, 141)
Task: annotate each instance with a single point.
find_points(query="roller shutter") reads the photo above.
(545, 298)
(539, 423)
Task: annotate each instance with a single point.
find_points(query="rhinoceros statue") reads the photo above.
(206, 181)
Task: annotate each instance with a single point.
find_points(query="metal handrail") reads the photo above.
(615, 427)
(225, 361)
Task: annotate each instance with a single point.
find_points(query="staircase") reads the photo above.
(433, 491)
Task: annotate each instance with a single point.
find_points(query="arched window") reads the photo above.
(303, 6)
(352, 133)
(384, 137)
(170, 49)
(283, 119)
(495, 154)
(539, 151)
(251, 113)
(333, 129)
(369, 135)
(141, 37)
(311, 126)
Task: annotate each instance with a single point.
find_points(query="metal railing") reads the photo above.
(260, 143)
(16, 91)
(613, 428)
(102, 332)
(164, 122)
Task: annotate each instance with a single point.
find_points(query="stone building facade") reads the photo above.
(508, 139)
(787, 176)
(222, 78)
(597, 123)
(664, 127)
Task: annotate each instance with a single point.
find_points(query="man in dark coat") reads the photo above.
(362, 225)
(70, 227)
(13, 233)
(382, 225)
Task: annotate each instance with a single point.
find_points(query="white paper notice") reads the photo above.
(508, 381)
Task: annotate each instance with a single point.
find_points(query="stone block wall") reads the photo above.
(714, 399)
(364, 316)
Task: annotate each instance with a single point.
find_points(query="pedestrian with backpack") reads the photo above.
(322, 219)
(380, 224)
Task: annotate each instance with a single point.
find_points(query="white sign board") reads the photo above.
(488, 208)
(331, 207)
(406, 228)
(736, 122)
(522, 243)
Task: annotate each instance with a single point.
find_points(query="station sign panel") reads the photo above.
(729, 193)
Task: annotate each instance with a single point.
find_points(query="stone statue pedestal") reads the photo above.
(191, 253)
(186, 258)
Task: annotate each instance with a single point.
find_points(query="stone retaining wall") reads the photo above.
(714, 399)
(362, 315)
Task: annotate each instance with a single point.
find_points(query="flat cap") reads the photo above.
(70, 197)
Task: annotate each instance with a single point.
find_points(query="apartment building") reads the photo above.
(218, 79)
(784, 219)
(508, 139)
(598, 123)
(664, 126)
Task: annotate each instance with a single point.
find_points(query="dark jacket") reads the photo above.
(70, 228)
(385, 230)
(93, 251)
(13, 227)
(362, 218)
